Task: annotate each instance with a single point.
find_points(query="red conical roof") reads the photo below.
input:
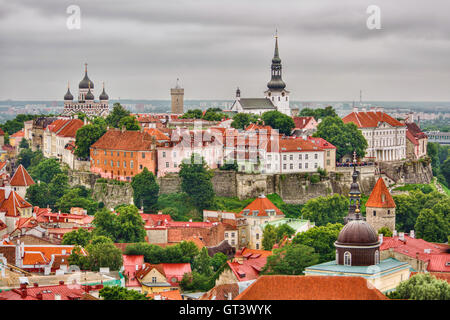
(380, 196)
(21, 178)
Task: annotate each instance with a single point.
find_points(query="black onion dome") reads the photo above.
(86, 83)
(68, 95)
(276, 84)
(89, 95)
(357, 232)
(103, 95)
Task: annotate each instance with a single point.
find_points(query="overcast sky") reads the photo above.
(140, 47)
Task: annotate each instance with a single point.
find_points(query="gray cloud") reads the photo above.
(140, 47)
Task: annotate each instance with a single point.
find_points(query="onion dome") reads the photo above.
(357, 232)
(68, 95)
(89, 95)
(103, 95)
(86, 82)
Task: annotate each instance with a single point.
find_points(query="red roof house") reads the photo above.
(261, 206)
(21, 178)
(380, 196)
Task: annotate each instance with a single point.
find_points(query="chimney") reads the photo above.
(39, 295)
(230, 296)
(61, 282)
(411, 234)
(23, 290)
(394, 234)
(57, 296)
(355, 109)
(401, 236)
(35, 284)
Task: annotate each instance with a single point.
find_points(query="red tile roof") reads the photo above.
(324, 144)
(159, 136)
(437, 255)
(173, 272)
(34, 253)
(380, 196)
(10, 203)
(66, 292)
(294, 144)
(260, 204)
(70, 128)
(248, 263)
(18, 134)
(301, 122)
(415, 131)
(21, 178)
(371, 119)
(3, 164)
(115, 139)
(411, 138)
(281, 287)
(2, 133)
(129, 263)
(166, 295)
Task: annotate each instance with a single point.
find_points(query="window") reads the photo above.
(257, 246)
(174, 164)
(291, 166)
(389, 211)
(104, 162)
(167, 164)
(328, 153)
(284, 166)
(131, 164)
(98, 161)
(105, 152)
(328, 162)
(118, 153)
(291, 157)
(306, 156)
(374, 213)
(226, 234)
(315, 165)
(315, 156)
(232, 234)
(164, 154)
(306, 165)
(111, 153)
(153, 279)
(347, 258)
(125, 154)
(112, 164)
(140, 166)
(143, 155)
(118, 164)
(124, 164)
(284, 157)
(299, 165)
(299, 157)
(257, 236)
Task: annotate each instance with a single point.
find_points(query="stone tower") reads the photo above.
(177, 94)
(380, 208)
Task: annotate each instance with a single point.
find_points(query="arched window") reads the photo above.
(347, 258)
(377, 257)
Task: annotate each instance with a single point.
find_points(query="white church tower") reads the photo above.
(276, 87)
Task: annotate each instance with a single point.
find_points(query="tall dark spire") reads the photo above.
(276, 83)
(354, 195)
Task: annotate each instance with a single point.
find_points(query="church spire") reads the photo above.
(276, 83)
(354, 195)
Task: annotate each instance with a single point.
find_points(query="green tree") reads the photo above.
(188, 250)
(218, 260)
(74, 198)
(79, 237)
(196, 282)
(38, 195)
(196, 181)
(284, 230)
(192, 114)
(86, 136)
(280, 121)
(104, 255)
(120, 293)
(131, 226)
(130, 123)
(291, 259)
(105, 223)
(202, 263)
(318, 113)
(269, 237)
(431, 226)
(45, 170)
(58, 186)
(25, 156)
(24, 144)
(422, 286)
(386, 232)
(346, 137)
(322, 239)
(78, 259)
(323, 210)
(242, 120)
(118, 112)
(145, 190)
(445, 170)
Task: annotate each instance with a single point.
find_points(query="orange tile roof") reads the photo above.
(3, 164)
(282, 287)
(56, 125)
(379, 193)
(321, 143)
(18, 134)
(21, 178)
(70, 129)
(32, 258)
(167, 295)
(115, 139)
(371, 119)
(260, 204)
(298, 145)
(411, 138)
(12, 203)
(159, 136)
(49, 250)
(301, 122)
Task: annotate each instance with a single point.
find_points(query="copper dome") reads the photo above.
(357, 232)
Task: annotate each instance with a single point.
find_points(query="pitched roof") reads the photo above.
(21, 178)
(293, 144)
(70, 128)
(371, 119)
(66, 292)
(166, 295)
(282, 287)
(18, 134)
(411, 138)
(256, 103)
(250, 267)
(159, 136)
(437, 255)
(168, 270)
(380, 196)
(11, 202)
(414, 129)
(324, 144)
(301, 122)
(115, 139)
(259, 206)
(3, 164)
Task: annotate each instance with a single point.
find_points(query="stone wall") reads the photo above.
(224, 183)
(408, 171)
(170, 183)
(86, 179)
(113, 195)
